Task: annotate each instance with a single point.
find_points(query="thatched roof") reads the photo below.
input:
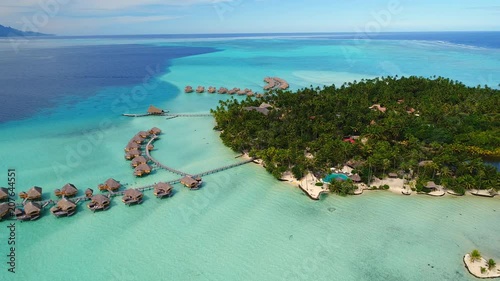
(100, 199)
(143, 167)
(4, 193)
(378, 107)
(143, 134)
(66, 204)
(69, 189)
(133, 153)
(155, 131)
(189, 181)
(137, 139)
(354, 163)
(112, 184)
(262, 110)
(154, 110)
(4, 209)
(132, 193)
(132, 145)
(34, 192)
(139, 160)
(355, 178)
(162, 186)
(430, 185)
(31, 208)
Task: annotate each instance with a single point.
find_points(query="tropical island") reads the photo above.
(481, 267)
(426, 131)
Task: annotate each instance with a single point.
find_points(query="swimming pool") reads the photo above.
(334, 176)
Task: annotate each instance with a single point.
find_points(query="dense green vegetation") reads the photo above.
(448, 125)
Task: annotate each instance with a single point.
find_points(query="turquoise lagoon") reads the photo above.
(243, 224)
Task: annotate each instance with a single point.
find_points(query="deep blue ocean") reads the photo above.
(38, 78)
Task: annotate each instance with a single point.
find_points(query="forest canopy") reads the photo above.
(432, 129)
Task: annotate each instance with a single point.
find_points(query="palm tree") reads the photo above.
(475, 256)
(491, 264)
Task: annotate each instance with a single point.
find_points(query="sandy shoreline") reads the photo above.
(474, 268)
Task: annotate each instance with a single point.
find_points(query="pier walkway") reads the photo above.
(189, 115)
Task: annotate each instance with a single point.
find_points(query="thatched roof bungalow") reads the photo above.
(155, 131)
(137, 139)
(30, 211)
(132, 196)
(153, 110)
(190, 182)
(355, 178)
(4, 210)
(138, 161)
(111, 184)
(431, 185)
(132, 154)
(67, 190)
(162, 189)
(378, 107)
(99, 202)
(4, 193)
(132, 146)
(143, 134)
(141, 170)
(200, 89)
(35, 193)
(188, 89)
(63, 208)
(89, 192)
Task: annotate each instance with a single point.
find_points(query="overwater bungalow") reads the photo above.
(155, 131)
(143, 134)
(150, 147)
(64, 208)
(35, 193)
(99, 202)
(191, 182)
(110, 184)
(67, 190)
(138, 161)
(162, 189)
(89, 192)
(241, 93)
(4, 210)
(129, 155)
(4, 194)
(188, 89)
(212, 90)
(200, 89)
(250, 94)
(137, 139)
(153, 110)
(142, 169)
(30, 212)
(132, 146)
(222, 90)
(132, 196)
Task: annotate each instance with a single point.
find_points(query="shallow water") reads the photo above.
(243, 224)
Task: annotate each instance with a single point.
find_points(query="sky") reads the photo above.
(117, 17)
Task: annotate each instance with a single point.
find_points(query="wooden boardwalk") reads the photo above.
(189, 115)
(217, 170)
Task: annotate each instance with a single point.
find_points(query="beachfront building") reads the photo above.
(162, 189)
(431, 186)
(132, 196)
(153, 110)
(155, 131)
(63, 208)
(67, 190)
(99, 202)
(138, 161)
(4, 210)
(4, 194)
(355, 178)
(35, 193)
(191, 182)
(110, 185)
(29, 212)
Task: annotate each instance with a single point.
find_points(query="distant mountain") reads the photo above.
(6, 31)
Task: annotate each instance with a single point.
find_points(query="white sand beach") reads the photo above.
(475, 268)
